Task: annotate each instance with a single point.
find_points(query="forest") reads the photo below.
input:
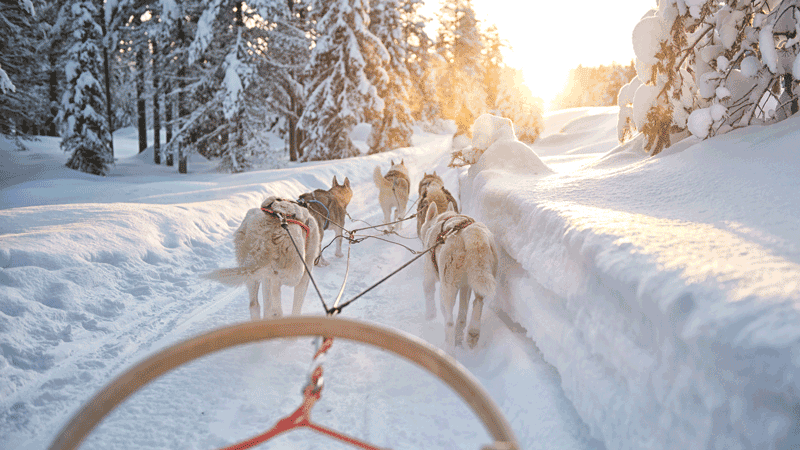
(214, 77)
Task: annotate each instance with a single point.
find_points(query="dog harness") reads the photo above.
(396, 174)
(305, 203)
(444, 234)
(289, 217)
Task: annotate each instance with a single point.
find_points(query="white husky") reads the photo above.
(464, 260)
(393, 191)
(264, 252)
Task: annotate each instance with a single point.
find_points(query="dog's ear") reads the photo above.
(391, 161)
(269, 201)
(402, 163)
(450, 207)
(346, 182)
(434, 174)
(433, 211)
(335, 183)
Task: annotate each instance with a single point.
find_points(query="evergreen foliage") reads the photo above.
(23, 104)
(222, 76)
(514, 101)
(708, 67)
(393, 128)
(340, 93)
(594, 86)
(460, 90)
(86, 136)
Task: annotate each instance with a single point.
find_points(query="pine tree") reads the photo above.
(86, 134)
(340, 95)
(23, 107)
(461, 92)
(594, 86)
(393, 129)
(492, 63)
(420, 62)
(285, 50)
(514, 101)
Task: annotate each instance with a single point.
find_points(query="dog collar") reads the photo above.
(289, 219)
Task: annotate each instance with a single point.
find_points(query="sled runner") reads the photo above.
(413, 349)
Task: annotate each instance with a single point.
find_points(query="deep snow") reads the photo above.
(659, 297)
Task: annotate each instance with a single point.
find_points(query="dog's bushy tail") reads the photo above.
(234, 276)
(380, 181)
(483, 260)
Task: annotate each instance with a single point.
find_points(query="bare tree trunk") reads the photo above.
(168, 118)
(788, 81)
(181, 98)
(292, 139)
(156, 111)
(140, 102)
(107, 81)
(53, 94)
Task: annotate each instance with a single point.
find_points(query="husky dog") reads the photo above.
(464, 260)
(393, 189)
(432, 190)
(329, 210)
(265, 253)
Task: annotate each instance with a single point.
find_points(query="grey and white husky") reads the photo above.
(329, 208)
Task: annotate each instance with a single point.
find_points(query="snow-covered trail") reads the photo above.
(371, 394)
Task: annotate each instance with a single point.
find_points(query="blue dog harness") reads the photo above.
(327, 212)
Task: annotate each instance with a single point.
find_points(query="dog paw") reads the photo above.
(430, 315)
(472, 338)
(339, 254)
(322, 262)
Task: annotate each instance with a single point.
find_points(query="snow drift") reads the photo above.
(664, 290)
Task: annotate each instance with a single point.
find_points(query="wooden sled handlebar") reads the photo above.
(410, 347)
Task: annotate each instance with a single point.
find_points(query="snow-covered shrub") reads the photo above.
(706, 67)
(486, 130)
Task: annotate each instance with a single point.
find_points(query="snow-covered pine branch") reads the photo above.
(706, 67)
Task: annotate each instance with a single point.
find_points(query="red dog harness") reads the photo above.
(443, 234)
(289, 219)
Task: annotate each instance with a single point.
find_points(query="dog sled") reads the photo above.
(326, 328)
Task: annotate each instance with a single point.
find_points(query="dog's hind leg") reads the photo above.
(272, 298)
(339, 238)
(475, 321)
(429, 286)
(449, 292)
(300, 294)
(255, 308)
(463, 304)
(387, 216)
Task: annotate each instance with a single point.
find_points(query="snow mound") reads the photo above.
(495, 146)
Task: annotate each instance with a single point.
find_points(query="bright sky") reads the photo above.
(550, 38)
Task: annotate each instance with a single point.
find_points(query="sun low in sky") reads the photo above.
(550, 38)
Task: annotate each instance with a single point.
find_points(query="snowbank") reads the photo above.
(666, 291)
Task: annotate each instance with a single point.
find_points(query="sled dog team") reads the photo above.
(276, 242)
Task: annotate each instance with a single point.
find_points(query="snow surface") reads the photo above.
(655, 300)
